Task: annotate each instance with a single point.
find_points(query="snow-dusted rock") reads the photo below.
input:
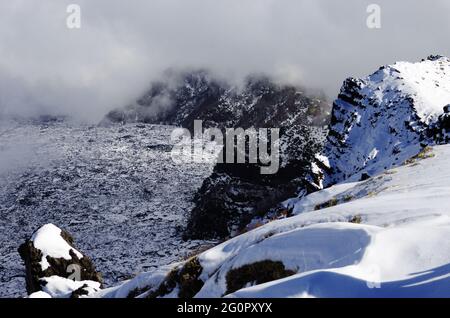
(380, 121)
(49, 240)
(55, 266)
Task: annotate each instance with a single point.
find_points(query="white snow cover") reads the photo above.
(402, 247)
(406, 261)
(299, 250)
(49, 241)
(60, 287)
(396, 246)
(428, 82)
(39, 294)
(148, 280)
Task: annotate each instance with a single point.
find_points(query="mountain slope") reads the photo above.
(383, 236)
(406, 252)
(388, 238)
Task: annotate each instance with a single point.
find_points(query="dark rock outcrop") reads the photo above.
(57, 266)
(237, 193)
(440, 131)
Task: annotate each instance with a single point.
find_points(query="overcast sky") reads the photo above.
(123, 45)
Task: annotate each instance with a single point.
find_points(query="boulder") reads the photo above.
(50, 257)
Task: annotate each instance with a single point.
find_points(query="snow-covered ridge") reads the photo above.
(427, 82)
(383, 237)
(380, 121)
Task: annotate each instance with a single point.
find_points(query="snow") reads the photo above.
(59, 287)
(417, 190)
(407, 261)
(323, 159)
(40, 294)
(398, 246)
(309, 202)
(406, 253)
(49, 241)
(299, 250)
(147, 280)
(428, 81)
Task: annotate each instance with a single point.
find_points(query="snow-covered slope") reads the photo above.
(386, 236)
(380, 121)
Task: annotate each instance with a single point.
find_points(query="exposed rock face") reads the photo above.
(182, 98)
(256, 273)
(440, 131)
(380, 121)
(236, 193)
(49, 256)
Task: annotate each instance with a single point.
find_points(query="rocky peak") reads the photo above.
(381, 120)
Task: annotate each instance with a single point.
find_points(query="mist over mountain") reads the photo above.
(46, 68)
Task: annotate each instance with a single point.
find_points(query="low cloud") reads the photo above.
(46, 68)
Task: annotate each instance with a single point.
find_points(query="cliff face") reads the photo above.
(235, 194)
